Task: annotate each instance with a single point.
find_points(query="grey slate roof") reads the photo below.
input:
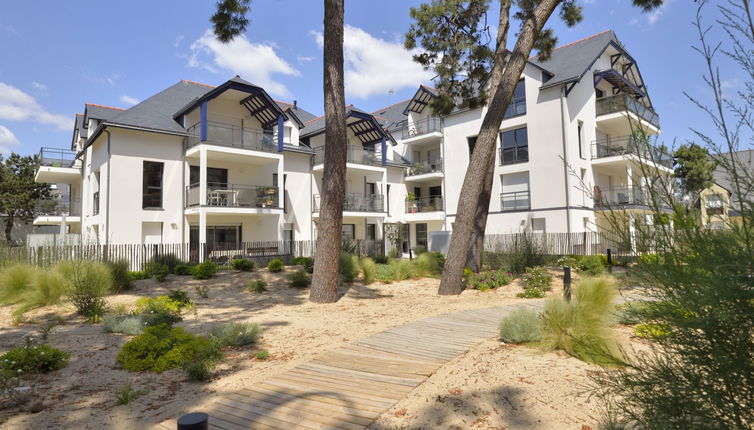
(569, 62)
(100, 112)
(393, 114)
(745, 161)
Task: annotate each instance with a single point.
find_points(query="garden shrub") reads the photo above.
(89, 282)
(161, 348)
(299, 279)
(488, 280)
(428, 264)
(403, 269)
(307, 262)
(573, 261)
(384, 273)
(168, 260)
(236, 334)
(631, 313)
(368, 270)
(126, 324)
(180, 296)
(521, 326)
(652, 331)
(202, 291)
(159, 310)
(525, 252)
(33, 359)
(138, 275)
(127, 394)
(347, 270)
(15, 280)
(200, 367)
(30, 287)
(257, 286)
(276, 265)
(243, 265)
(183, 269)
(582, 327)
(121, 279)
(531, 293)
(160, 272)
(262, 355)
(204, 270)
(537, 277)
(593, 265)
(382, 259)
(419, 250)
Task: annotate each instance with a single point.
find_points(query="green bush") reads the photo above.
(33, 359)
(160, 272)
(428, 264)
(307, 262)
(404, 269)
(127, 394)
(347, 270)
(257, 286)
(573, 261)
(631, 313)
(161, 348)
(276, 266)
(236, 334)
(593, 265)
(160, 310)
(384, 273)
(521, 326)
(531, 293)
(121, 279)
(180, 296)
(382, 259)
(243, 265)
(419, 250)
(488, 280)
(89, 282)
(525, 252)
(126, 324)
(168, 260)
(368, 270)
(183, 269)
(15, 280)
(137, 275)
(204, 270)
(652, 331)
(202, 291)
(582, 327)
(299, 279)
(30, 287)
(262, 355)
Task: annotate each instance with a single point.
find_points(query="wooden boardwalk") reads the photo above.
(352, 385)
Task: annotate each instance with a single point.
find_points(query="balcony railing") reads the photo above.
(515, 201)
(419, 128)
(55, 157)
(232, 136)
(55, 207)
(424, 204)
(423, 167)
(519, 154)
(355, 154)
(354, 202)
(626, 145)
(235, 195)
(623, 103)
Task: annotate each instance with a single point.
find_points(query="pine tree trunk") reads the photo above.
(325, 278)
(474, 259)
(484, 149)
(8, 227)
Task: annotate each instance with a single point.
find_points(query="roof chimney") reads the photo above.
(295, 104)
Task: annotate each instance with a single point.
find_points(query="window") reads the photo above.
(538, 225)
(215, 177)
(599, 93)
(514, 146)
(518, 102)
(371, 188)
(348, 231)
(515, 195)
(95, 196)
(388, 199)
(218, 237)
(714, 204)
(581, 140)
(472, 143)
(371, 231)
(152, 185)
(421, 235)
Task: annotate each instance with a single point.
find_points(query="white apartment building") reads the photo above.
(201, 164)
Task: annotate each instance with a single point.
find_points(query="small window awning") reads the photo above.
(617, 80)
(421, 100)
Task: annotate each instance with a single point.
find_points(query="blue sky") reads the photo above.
(56, 56)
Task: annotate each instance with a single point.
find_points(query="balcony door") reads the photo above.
(216, 177)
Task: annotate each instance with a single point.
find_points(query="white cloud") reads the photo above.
(10, 29)
(129, 100)
(7, 140)
(178, 41)
(301, 59)
(38, 86)
(16, 105)
(374, 65)
(655, 15)
(255, 62)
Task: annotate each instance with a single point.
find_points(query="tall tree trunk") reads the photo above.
(484, 149)
(325, 278)
(8, 227)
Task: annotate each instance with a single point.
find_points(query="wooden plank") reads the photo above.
(366, 375)
(252, 419)
(352, 380)
(330, 398)
(393, 355)
(369, 368)
(344, 397)
(308, 401)
(403, 367)
(350, 390)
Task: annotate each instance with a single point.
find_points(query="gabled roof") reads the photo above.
(369, 128)
(569, 63)
(78, 127)
(100, 112)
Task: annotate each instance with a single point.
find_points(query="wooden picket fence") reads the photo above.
(582, 243)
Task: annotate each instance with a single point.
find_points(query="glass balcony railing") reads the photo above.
(235, 195)
(234, 137)
(515, 201)
(355, 154)
(629, 145)
(355, 202)
(423, 167)
(424, 204)
(628, 196)
(622, 103)
(422, 127)
(55, 207)
(517, 154)
(55, 157)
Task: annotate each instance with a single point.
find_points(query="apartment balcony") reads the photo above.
(57, 166)
(611, 113)
(357, 205)
(421, 131)
(625, 196)
(51, 212)
(515, 201)
(235, 199)
(226, 142)
(424, 170)
(604, 151)
(425, 209)
(357, 158)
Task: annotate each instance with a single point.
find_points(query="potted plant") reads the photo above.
(411, 201)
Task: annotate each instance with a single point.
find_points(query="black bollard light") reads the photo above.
(194, 421)
(609, 260)
(567, 283)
